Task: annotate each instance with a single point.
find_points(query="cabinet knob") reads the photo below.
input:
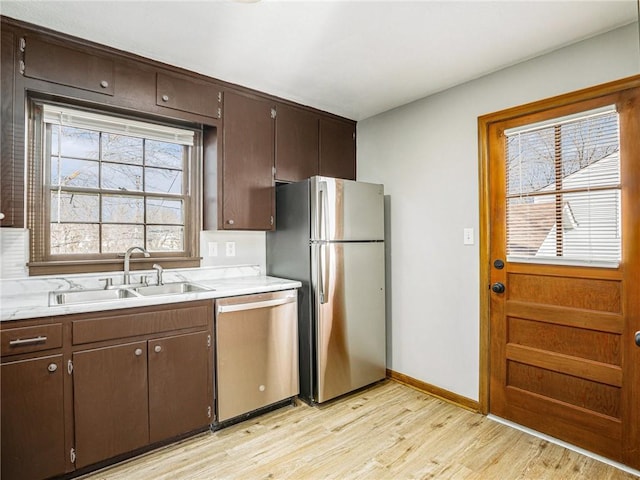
(157, 349)
(104, 84)
(165, 98)
(1, 216)
(52, 367)
(230, 222)
(138, 352)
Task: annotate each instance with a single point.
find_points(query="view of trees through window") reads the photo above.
(109, 192)
(563, 189)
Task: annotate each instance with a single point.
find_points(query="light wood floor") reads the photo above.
(387, 432)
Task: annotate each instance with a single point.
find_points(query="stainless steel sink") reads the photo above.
(68, 297)
(170, 289)
(90, 296)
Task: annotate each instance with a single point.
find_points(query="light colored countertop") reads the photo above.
(22, 298)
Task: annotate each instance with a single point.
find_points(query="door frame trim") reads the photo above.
(484, 123)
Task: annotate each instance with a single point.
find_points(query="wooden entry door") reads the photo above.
(563, 358)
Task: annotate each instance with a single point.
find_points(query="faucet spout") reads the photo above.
(127, 258)
(158, 270)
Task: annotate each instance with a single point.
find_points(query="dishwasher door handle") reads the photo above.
(252, 305)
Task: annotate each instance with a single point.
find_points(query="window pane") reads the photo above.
(118, 238)
(164, 238)
(55, 130)
(121, 149)
(79, 143)
(530, 161)
(73, 238)
(159, 180)
(160, 210)
(127, 178)
(69, 172)
(122, 209)
(590, 227)
(586, 142)
(74, 207)
(163, 154)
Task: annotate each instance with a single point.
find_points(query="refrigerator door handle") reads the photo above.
(323, 228)
(321, 275)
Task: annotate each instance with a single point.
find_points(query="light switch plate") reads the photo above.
(213, 249)
(468, 236)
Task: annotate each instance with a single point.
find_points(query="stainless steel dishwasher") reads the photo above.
(256, 352)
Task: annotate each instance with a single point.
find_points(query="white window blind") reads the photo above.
(563, 190)
(58, 115)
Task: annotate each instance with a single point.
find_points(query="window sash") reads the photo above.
(39, 197)
(583, 199)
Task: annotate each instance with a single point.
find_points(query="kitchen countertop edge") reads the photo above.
(36, 306)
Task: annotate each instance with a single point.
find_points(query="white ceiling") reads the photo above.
(352, 58)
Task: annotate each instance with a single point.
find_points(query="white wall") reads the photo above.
(426, 154)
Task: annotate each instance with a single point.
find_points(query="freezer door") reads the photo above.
(346, 210)
(350, 317)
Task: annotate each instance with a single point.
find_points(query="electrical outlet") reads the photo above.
(468, 236)
(213, 249)
(230, 249)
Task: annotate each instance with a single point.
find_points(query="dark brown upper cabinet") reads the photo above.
(187, 94)
(11, 169)
(296, 144)
(337, 148)
(245, 190)
(67, 66)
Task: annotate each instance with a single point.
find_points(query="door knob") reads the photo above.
(638, 338)
(498, 287)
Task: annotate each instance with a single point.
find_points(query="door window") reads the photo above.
(563, 190)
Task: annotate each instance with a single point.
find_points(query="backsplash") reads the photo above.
(14, 252)
(248, 248)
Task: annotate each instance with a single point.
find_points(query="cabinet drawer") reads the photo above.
(143, 323)
(66, 66)
(188, 95)
(31, 339)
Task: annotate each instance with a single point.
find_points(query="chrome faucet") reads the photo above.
(158, 270)
(127, 257)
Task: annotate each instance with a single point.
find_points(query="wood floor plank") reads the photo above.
(389, 431)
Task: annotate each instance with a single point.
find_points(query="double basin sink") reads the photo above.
(68, 297)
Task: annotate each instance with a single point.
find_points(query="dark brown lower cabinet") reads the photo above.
(110, 401)
(178, 390)
(33, 425)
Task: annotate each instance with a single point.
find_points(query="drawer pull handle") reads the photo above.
(28, 341)
(138, 352)
(52, 367)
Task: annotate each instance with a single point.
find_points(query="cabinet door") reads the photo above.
(296, 144)
(179, 380)
(248, 191)
(187, 94)
(8, 174)
(110, 401)
(33, 418)
(67, 66)
(337, 149)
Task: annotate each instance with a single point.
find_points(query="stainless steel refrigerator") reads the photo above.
(330, 236)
